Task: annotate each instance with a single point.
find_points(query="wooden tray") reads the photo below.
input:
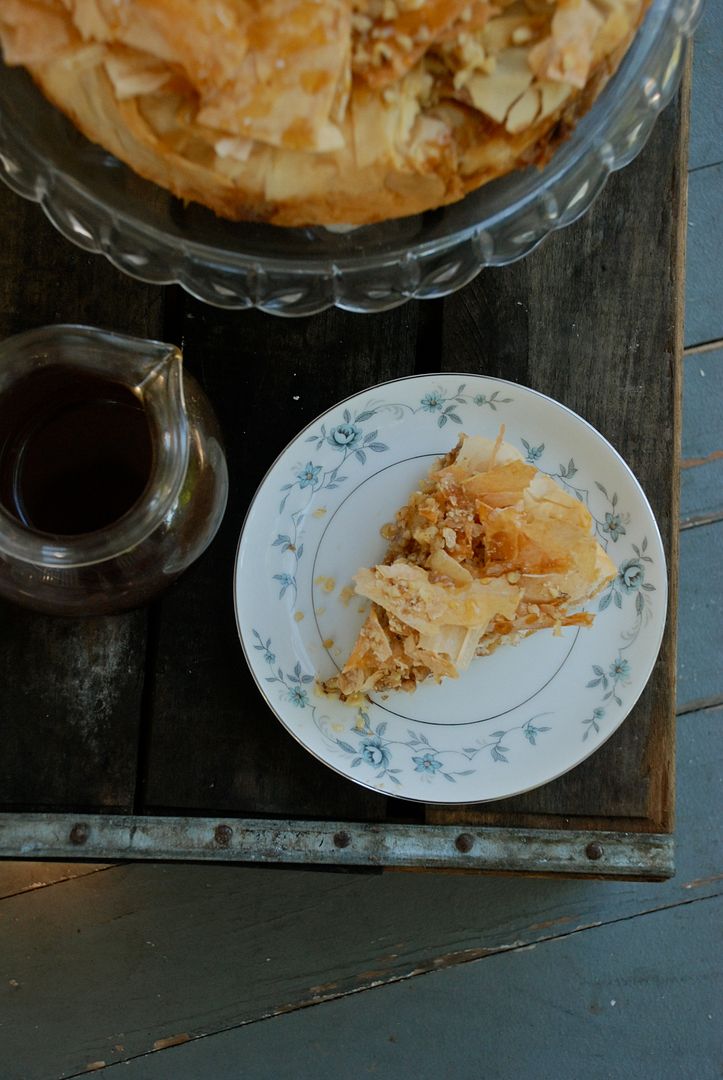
(143, 735)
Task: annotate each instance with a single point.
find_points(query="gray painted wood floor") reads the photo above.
(195, 972)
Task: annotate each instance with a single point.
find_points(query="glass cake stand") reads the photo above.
(101, 205)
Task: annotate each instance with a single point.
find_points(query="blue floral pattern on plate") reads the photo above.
(479, 737)
(351, 439)
(629, 581)
(370, 746)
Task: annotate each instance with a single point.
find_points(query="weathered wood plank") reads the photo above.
(700, 669)
(44, 279)
(701, 491)
(642, 994)
(193, 949)
(700, 673)
(702, 397)
(590, 320)
(706, 104)
(70, 690)
(69, 739)
(248, 766)
(584, 274)
(20, 877)
(214, 744)
(704, 289)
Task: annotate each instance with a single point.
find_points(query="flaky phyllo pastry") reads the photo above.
(487, 551)
(321, 111)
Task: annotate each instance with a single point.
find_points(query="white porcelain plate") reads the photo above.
(515, 719)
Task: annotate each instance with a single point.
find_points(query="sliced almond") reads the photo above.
(442, 563)
(553, 94)
(494, 94)
(524, 112)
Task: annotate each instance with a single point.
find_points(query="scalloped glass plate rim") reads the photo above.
(529, 181)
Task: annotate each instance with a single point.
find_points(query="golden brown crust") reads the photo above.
(486, 552)
(359, 111)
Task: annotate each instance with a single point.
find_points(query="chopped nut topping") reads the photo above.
(509, 553)
(319, 107)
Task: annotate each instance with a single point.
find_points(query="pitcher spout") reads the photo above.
(160, 387)
(112, 474)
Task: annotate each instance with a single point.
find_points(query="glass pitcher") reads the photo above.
(113, 412)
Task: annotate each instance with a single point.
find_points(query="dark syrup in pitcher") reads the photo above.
(75, 450)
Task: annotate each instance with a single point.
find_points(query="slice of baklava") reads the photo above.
(304, 112)
(487, 551)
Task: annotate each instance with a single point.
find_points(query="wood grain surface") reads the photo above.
(70, 689)
(213, 742)
(156, 710)
(115, 963)
(592, 320)
(588, 319)
(701, 639)
(701, 491)
(21, 877)
(706, 132)
(704, 303)
(158, 971)
(635, 1017)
